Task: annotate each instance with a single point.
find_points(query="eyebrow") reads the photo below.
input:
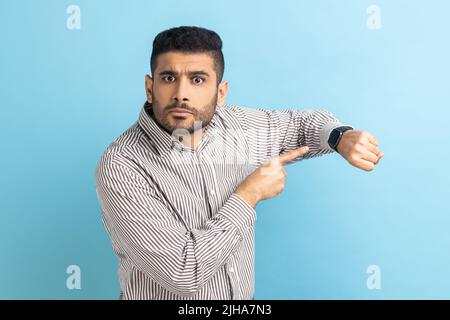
(175, 73)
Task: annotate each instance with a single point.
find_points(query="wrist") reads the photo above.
(250, 197)
(336, 136)
(340, 140)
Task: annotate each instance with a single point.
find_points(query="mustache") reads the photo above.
(183, 105)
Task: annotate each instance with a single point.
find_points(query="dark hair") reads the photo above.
(190, 40)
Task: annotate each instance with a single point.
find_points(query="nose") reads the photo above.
(181, 93)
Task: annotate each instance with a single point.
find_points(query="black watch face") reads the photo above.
(334, 136)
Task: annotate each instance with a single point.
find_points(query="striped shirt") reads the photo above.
(176, 225)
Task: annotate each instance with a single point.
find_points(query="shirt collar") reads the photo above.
(165, 142)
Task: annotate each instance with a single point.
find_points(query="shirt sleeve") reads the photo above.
(157, 242)
(270, 133)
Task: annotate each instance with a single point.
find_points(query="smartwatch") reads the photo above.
(336, 135)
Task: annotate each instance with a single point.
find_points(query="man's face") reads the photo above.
(183, 90)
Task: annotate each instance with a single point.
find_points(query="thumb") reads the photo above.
(291, 155)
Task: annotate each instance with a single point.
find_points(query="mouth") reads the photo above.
(180, 112)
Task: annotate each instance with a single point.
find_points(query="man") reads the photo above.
(179, 188)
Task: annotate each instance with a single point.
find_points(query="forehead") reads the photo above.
(182, 62)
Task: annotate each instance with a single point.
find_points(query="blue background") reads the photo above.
(66, 94)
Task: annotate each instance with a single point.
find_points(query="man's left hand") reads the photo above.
(360, 149)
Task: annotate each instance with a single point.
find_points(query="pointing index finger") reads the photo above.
(291, 155)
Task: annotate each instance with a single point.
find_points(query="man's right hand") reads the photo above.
(269, 179)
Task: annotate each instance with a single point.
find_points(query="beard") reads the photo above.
(170, 123)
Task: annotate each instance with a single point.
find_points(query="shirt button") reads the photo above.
(231, 269)
(212, 192)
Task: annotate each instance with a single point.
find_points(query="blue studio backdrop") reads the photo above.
(72, 80)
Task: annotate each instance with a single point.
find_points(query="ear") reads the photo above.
(148, 87)
(222, 93)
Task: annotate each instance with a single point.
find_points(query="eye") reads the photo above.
(198, 80)
(168, 78)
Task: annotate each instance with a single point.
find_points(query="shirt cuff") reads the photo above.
(239, 213)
